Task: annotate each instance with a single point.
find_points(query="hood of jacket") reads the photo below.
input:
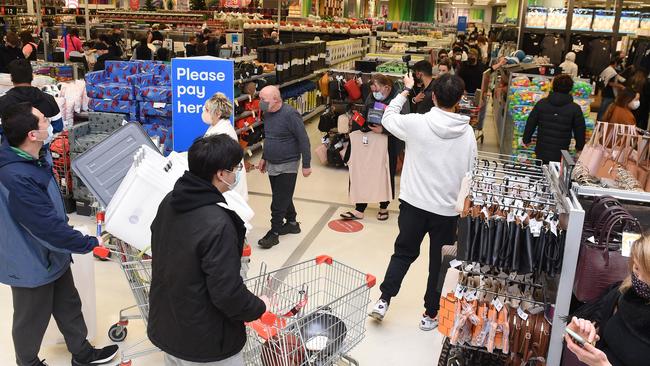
(191, 192)
(33, 95)
(560, 99)
(571, 56)
(8, 156)
(447, 125)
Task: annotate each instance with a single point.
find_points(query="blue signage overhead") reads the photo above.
(195, 80)
(462, 24)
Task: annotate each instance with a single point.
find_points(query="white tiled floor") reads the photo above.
(319, 198)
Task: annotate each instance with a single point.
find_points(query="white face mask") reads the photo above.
(634, 105)
(50, 134)
(378, 96)
(234, 184)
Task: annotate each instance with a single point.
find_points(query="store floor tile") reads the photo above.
(319, 199)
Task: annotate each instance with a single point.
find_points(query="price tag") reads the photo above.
(158, 105)
(535, 227)
(460, 290)
(627, 242)
(485, 212)
(250, 98)
(249, 152)
(553, 225)
(455, 263)
(522, 314)
(513, 275)
(469, 268)
(592, 240)
(497, 304)
(254, 115)
(511, 216)
(471, 295)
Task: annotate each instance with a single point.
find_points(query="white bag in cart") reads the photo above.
(151, 177)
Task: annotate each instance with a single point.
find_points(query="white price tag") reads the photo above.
(254, 115)
(535, 227)
(485, 212)
(455, 263)
(469, 267)
(250, 98)
(460, 290)
(553, 225)
(522, 314)
(158, 105)
(497, 304)
(513, 275)
(471, 295)
(511, 216)
(627, 242)
(592, 240)
(249, 152)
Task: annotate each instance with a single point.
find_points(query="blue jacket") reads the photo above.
(35, 238)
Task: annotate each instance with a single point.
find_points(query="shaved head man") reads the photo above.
(286, 141)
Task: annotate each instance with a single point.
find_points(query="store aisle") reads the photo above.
(319, 199)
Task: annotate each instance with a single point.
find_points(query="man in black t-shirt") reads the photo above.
(422, 100)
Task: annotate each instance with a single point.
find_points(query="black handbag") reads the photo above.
(328, 121)
(498, 240)
(516, 245)
(465, 225)
(526, 254)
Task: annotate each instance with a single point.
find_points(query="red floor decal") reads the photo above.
(345, 226)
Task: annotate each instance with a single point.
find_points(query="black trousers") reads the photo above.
(361, 207)
(414, 224)
(33, 308)
(282, 208)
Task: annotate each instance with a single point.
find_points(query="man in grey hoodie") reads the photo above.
(440, 151)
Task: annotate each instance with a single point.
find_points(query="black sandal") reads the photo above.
(350, 216)
(383, 216)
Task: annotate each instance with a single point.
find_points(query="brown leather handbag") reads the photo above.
(601, 264)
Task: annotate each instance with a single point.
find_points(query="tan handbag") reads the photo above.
(608, 163)
(592, 152)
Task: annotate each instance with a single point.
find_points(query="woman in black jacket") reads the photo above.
(555, 118)
(621, 333)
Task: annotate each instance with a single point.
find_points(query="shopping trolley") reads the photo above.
(317, 314)
(470, 105)
(136, 266)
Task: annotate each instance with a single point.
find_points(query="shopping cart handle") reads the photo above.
(247, 251)
(268, 318)
(101, 252)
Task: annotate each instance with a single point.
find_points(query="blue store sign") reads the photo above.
(195, 80)
(462, 24)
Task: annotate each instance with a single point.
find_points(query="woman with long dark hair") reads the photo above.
(639, 83)
(29, 46)
(620, 111)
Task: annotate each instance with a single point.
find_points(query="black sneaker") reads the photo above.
(97, 356)
(269, 240)
(289, 228)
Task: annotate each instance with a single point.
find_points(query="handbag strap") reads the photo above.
(611, 223)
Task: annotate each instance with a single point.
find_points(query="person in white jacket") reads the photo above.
(216, 114)
(569, 65)
(440, 151)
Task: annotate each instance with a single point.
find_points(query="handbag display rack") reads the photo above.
(511, 247)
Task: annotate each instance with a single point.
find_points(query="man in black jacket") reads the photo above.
(198, 301)
(23, 91)
(555, 118)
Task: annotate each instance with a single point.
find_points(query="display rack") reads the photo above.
(557, 291)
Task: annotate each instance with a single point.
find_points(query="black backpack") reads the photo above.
(328, 121)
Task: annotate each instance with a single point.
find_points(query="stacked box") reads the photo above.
(162, 128)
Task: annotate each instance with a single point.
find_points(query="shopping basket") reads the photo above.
(136, 266)
(317, 314)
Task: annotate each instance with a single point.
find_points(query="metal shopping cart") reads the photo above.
(136, 266)
(317, 314)
(470, 105)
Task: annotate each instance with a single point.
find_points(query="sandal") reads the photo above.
(350, 216)
(382, 216)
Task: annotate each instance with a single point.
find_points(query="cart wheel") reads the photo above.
(117, 333)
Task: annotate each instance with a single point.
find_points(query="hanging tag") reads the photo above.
(591, 239)
(471, 295)
(455, 263)
(250, 98)
(627, 242)
(236, 103)
(249, 152)
(364, 140)
(535, 227)
(460, 290)
(511, 216)
(469, 268)
(522, 314)
(553, 225)
(498, 305)
(254, 115)
(513, 275)
(324, 140)
(485, 212)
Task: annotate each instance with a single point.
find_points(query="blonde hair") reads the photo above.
(640, 254)
(219, 103)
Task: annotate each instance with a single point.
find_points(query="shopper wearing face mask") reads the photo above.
(285, 142)
(216, 114)
(616, 327)
(471, 71)
(36, 242)
(23, 91)
(620, 111)
(198, 302)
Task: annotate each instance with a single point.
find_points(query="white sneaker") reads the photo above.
(379, 311)
(427, 323)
